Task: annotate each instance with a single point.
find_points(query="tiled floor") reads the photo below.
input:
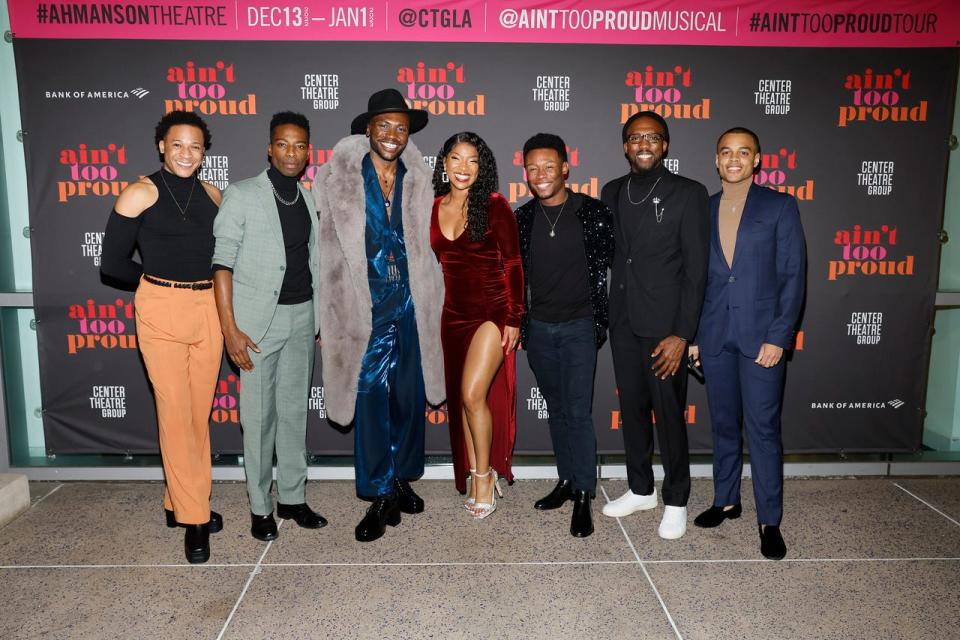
(868, 558)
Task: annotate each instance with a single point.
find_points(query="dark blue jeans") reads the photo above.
(563, 356)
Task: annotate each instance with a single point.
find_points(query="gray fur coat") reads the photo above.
(345, 307)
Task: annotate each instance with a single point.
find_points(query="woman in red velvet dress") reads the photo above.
(474, 234)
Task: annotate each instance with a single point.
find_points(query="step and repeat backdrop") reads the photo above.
(853, 102)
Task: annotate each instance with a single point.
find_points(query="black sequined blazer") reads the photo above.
(597, 224)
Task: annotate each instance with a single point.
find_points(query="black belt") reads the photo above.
(194, 286)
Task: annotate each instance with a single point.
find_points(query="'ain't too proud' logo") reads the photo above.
(91, 171)
(204, 90)
(665, 93)
(877, 97)
(437, 90)
(102, 326)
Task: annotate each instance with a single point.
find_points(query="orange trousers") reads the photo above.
(178, 332)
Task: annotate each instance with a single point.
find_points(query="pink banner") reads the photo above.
(878, 23)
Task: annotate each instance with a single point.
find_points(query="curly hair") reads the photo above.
(478, 200)
(175, 118)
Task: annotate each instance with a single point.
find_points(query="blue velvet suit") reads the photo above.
(389, 430)
(755, 300)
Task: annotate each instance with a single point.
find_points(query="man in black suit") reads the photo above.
(662, 239)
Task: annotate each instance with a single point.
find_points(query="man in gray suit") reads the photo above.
(266, 284)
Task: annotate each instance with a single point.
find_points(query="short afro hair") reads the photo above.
(743, 130)
(653, 115)
(545, 141)
(289, 117)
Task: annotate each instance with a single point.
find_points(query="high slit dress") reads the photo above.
(484, 282)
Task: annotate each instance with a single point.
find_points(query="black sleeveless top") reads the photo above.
(174, 235)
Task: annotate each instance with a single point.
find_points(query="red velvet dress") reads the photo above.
(484, 281)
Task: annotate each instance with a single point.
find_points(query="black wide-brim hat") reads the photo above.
(388, 101)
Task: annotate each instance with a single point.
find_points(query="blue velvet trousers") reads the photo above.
(388, 429)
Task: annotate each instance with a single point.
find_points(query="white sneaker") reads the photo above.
(630, 503)
(674, 523)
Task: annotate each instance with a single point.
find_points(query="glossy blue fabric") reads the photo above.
(388, 428)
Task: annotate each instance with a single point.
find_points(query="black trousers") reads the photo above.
(640, 393)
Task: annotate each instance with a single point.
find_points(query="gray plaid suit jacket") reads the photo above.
(250, 242)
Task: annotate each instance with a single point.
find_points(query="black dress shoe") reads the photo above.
(384, 511)
(216, 521)
(714, 516)
(581, 524)
(302, 515)
(196, 542)
(555, 499)
(263, 527)
(407, 499)
(771, 542)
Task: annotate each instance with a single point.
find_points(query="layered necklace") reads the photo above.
(382, 181)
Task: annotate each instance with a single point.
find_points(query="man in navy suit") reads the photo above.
(755, 289)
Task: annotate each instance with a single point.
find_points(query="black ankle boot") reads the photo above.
(384, 511)
(216, 521)
(555, 499)
(407, 498)
(581, 523)
(196, 542)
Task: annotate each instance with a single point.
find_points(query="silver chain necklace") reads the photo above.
(553, 225)
(646, 196)
(182, 210)
(281, 200)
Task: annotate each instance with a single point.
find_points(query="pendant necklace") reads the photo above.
(381, 181)
(553, 225)
(183, 209)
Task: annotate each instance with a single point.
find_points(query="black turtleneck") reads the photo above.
(297, 284)
(174, 235)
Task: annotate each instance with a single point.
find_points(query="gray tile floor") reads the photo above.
(868, 558)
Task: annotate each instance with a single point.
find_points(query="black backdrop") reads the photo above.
(857, 382)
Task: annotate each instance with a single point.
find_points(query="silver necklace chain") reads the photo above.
(281, 200)
(182, 210)
(553, 225)
(646, 196)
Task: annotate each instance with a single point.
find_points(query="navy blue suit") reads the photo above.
(756, 300)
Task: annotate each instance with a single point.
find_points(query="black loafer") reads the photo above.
(714, 516)
(581, 523)
(196, 542)
(302, 515)
(263, 527)
(407, 499)
(772, 545)
(216, 521)
(556, 498)
(384, 511)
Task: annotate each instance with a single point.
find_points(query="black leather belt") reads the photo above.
(194, 286)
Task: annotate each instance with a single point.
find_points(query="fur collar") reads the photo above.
(345, 193)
